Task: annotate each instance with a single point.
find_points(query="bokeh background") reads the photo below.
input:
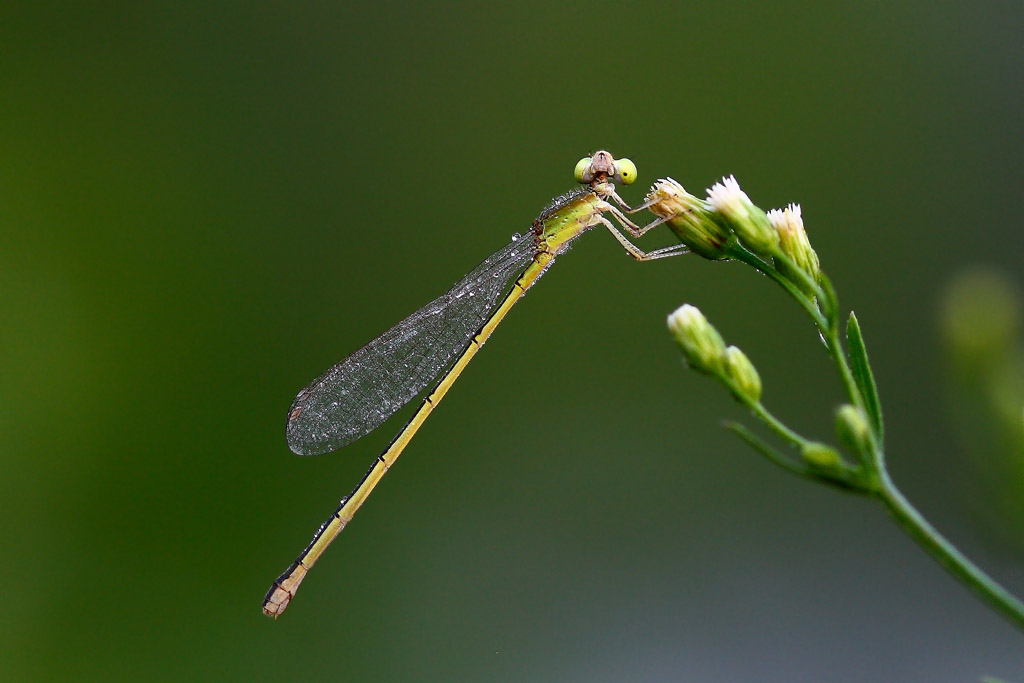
(204, 205)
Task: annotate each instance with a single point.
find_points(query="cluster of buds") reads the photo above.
(728, 225)
(707, 225)
(706, 352)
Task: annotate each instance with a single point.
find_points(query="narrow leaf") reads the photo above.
(767, 451)
(862, 374)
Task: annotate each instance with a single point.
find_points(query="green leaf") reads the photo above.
(862, 374)
(767, 451)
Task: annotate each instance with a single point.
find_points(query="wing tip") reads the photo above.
(300, 443)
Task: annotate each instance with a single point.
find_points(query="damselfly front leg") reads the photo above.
(638, 253)
(636, 231)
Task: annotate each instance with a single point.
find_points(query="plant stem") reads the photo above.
(774, 424)
(873, 478)
(835, 348)
(738, 252)
(767, 451)
(955, 562)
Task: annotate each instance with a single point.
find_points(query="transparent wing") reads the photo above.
(362, 391)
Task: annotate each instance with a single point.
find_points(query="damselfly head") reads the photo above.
(603, 166)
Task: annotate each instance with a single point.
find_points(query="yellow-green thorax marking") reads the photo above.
(569, 216)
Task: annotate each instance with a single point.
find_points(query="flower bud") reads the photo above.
(852, 429)
(702, 345)
(793, 243)
(743, 374)
(737, 212)
(690, 218)
(820, 456)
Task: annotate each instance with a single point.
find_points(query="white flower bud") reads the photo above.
(701, 344)
(748, 222)
(793, 242)
(689, 218)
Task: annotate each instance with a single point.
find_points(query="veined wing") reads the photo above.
(355, 396)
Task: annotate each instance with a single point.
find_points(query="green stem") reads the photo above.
(775, 425)
(835, 348)
(806, 282)
(741, 254)
(840, 476)
(829, 328)
(767, 451)
(955, 562)
(873, 475)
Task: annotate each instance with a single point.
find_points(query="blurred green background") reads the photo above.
(204, 205)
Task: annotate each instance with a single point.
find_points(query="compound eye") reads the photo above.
(581, 171)
(625, 171)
